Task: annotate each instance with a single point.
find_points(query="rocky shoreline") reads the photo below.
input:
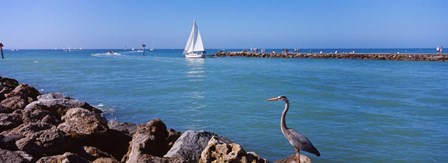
(37, 127)
(392, 56)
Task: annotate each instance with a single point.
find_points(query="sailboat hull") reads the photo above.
(195, 55)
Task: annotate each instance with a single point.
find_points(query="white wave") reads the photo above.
(114, 54)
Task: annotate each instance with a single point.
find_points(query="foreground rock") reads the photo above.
(92, 153)
(56, 128)
(51, 107)
(66, 157)
(127, 127)
(217, 151)
(19, 97)
(191, 143)
(9, 121)
(151, 138)
(6, 86)
(292, 159)
(44, 142)
(75, 121)
(14, 156)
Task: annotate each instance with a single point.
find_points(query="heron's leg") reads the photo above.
(297, 155)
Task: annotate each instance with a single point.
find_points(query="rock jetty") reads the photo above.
(379, 56)
(37, 127)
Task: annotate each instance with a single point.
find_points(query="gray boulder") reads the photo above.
(191, 143)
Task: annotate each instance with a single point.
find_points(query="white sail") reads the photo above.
(188, 47)
(194, 43)
(198, 43)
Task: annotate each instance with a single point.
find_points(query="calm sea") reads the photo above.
(352, 110)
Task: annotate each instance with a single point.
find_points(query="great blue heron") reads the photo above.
(297, 140)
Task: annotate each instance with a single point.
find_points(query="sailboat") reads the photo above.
(194, 47)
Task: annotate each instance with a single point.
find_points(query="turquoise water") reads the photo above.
(352, 110)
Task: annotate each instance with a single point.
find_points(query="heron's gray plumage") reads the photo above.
(299, 141)
(303, 143)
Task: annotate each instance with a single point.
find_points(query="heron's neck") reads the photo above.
(283, 118)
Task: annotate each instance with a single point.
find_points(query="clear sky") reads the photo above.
(224, 24)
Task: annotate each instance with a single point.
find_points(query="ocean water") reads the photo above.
(352, 110)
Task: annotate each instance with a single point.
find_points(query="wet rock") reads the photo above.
(64, 158)
(79, 122)
(105, 160)
(217, 151)
(9, 121)
(44, 142)
(151, 138)
(8, 156)
(191, 143)
(292, 159)
(92, 153)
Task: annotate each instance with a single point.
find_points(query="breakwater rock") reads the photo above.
(379, 56)
(37, 127)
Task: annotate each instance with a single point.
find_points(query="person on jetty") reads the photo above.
(1, 50)
(439, 49)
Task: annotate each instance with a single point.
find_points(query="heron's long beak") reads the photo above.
(273, 99)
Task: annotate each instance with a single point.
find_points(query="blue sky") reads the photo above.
(224, 24)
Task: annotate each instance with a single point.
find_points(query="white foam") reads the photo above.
(114, 54)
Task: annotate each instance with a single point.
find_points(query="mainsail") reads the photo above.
(194, 43)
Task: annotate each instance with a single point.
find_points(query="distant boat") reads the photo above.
(110, 52)
(194, 47)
